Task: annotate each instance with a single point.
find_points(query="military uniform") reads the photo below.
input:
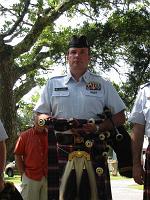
(141, 115)
(141, 110)
(9, 192)
(3, 134)
(64, 97)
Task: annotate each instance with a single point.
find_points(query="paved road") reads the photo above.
(122, 191)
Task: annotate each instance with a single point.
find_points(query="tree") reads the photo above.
(132, 29)
(39, 43)
(22, 60)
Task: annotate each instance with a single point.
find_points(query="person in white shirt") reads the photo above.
(3, 137)
(81, 94)
(140, 118)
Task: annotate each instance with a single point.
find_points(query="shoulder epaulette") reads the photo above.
(144, 85)
(60, 76)
(93, 74)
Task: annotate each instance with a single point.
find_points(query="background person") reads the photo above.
(3, 137)
(140, 118)
(81, 95)
(31, 158)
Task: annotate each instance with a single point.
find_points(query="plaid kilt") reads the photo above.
(58, 157)
(146, 194)
(102, 181)
(53, 170)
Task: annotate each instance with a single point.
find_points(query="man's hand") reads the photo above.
(89, 127)
(137, 136)
(138, 174)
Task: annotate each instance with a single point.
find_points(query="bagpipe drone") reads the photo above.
(118, 138)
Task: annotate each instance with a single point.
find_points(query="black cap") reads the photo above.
(78, 42)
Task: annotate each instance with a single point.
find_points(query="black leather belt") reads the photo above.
(69, 139)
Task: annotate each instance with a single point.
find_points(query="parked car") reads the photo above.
(11, 169)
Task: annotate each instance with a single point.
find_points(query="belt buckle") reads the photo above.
(79, 154)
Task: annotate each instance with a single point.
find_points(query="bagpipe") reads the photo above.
(120, 141)
(10, 192)
(117, 138)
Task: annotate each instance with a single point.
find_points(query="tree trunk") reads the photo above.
(7, 100)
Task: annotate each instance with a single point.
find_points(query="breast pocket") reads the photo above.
(94, 101)
(93, 93)
(147, 109)
(60, 93)
(147, 104)
(59, 102)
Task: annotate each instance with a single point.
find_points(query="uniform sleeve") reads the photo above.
(20, 145)
(43, 104)
(112, 99)
(3, 134)
(137, 115)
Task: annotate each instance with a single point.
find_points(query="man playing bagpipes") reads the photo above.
(77, 158)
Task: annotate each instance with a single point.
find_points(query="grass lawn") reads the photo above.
(138, 187)
(15, 179)
(118, 177)
(134, 186)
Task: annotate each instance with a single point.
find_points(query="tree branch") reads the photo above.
(19, 20)
(34, 65)
(24, 88)
(41, 23)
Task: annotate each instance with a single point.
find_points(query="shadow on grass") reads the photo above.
(14, 179)
(134, 186)
(17, 179)
(118, 177)
(137, 187)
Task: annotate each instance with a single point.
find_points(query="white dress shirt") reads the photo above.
(141, 110)
(64, 97)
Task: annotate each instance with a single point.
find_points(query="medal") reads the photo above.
(93, 86)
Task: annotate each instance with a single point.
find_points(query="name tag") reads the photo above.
(61, 89)
(93, 92)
